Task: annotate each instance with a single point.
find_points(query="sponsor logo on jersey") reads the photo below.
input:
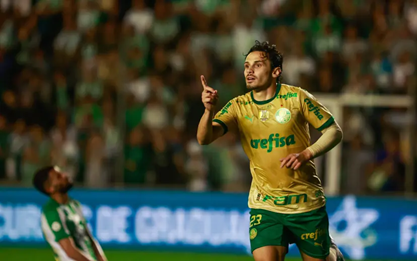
(311, 107)
(287, 200)
(287, 96)
(283, 115)
(273, 141)
(225, 109)
(314, 235)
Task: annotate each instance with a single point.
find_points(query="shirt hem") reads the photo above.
(290, 212)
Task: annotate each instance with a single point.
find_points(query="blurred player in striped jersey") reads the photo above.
(63, 223)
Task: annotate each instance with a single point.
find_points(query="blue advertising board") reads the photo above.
(211, 222)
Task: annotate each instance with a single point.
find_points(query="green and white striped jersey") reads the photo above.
(61, 221)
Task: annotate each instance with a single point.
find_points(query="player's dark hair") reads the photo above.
(276, 58)
(40, 177)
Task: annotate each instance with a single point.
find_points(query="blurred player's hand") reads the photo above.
(295, 160)
(209, 97)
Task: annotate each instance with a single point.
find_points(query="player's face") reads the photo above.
(58, 182)
(258, 72)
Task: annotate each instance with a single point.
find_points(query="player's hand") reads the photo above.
(295, 160)
(102, 258)
(209, 97)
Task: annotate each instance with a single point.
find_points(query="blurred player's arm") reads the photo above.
(98, 251)
(72, 251)
(210, 129)
(97, 248)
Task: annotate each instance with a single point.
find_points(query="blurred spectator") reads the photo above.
(352, 45)
(67, 43)
(298, 63)
(140, 17)
(64, 145)
(4, 142)
(137, 157)
(18, 141)
(196, 168)
(96, 173)
(389, 169)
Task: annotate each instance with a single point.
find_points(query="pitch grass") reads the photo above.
(45, 254)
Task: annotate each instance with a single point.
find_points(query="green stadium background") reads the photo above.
(109, 91)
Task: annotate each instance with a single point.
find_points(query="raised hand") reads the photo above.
(209, 96)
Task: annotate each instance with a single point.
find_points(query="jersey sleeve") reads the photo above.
(226, 117)
(53, 224)
(314, 112)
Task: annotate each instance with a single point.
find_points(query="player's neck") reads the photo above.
(60, 198)
(266, 93)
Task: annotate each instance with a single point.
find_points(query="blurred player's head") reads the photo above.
(263, 66)
(51, 181)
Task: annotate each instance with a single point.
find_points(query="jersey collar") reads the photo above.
(269, 100)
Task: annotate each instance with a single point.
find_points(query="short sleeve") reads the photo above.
(314, 112)
(54, 225)
(226, 117)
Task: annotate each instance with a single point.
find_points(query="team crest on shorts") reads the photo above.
(264, 115)
(283, 115)
(253, 233)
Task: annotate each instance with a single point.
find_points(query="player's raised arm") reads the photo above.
(208, 131)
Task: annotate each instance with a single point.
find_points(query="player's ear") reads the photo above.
(276, 72)
(48, 187)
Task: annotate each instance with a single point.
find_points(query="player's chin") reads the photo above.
(251, 86)
(69, 182)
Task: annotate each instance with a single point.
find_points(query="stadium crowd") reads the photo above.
(109, 90)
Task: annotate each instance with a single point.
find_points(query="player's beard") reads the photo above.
(66, 188)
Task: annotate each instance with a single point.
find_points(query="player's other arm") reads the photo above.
(97, 248)
(208, 129)
(331, 136)
(320, 118)
(98, 251)
(72, 251)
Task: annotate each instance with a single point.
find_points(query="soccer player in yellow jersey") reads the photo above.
(286, 197)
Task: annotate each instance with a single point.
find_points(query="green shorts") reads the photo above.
(309, 231)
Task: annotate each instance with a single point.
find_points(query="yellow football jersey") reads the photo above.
(271, 130)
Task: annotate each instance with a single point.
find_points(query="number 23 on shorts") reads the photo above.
(255, 220)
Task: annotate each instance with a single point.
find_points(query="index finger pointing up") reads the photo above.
(203, 81)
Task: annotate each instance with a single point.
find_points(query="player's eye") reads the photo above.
(258, 65)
